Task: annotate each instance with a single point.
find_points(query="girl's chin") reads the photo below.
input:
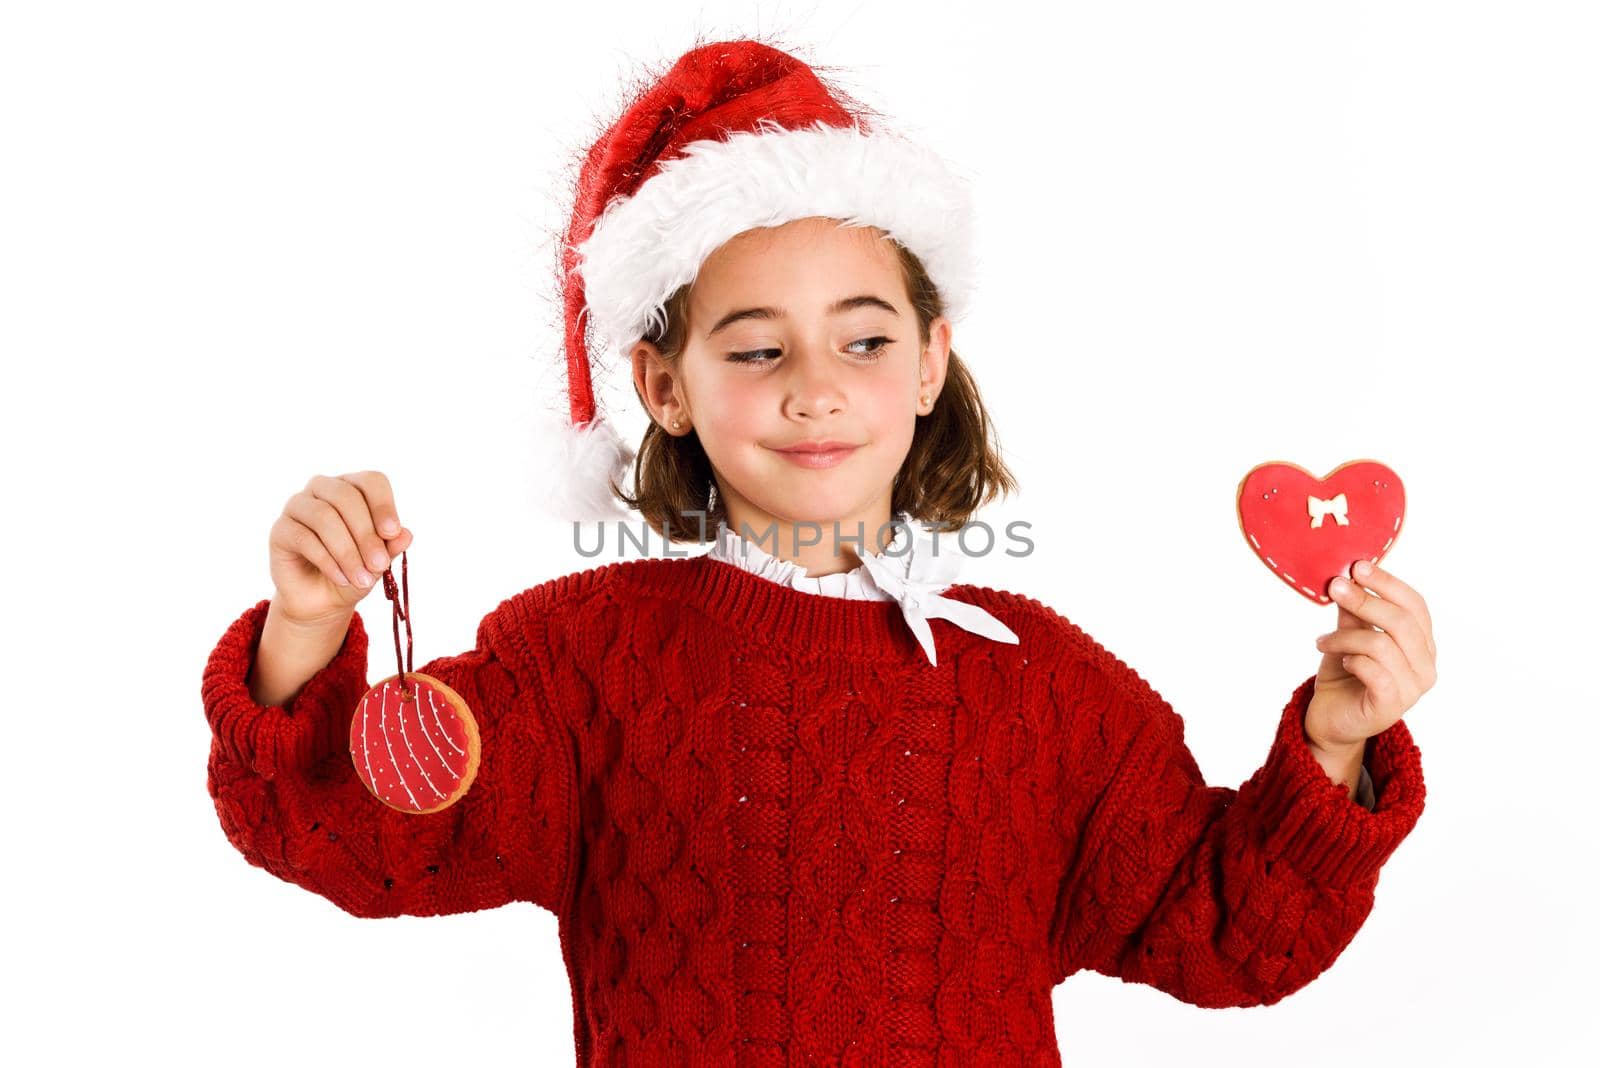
(818, 509)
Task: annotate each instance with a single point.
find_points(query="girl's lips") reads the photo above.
(817, 459)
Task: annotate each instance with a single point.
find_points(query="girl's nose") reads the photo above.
(813, 387)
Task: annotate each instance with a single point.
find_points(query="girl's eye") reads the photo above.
(877, 344)
(758, 355)
(749, 357)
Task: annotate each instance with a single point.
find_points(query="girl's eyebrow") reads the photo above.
(865, 300)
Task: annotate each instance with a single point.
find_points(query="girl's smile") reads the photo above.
(818, 454)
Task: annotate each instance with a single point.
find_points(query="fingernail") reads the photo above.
(1340, 587)
(363, 579)
(379, 561)
(390, 528)
(1363, 568)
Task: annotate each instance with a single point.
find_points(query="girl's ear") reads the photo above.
(935, 358)
(658, 389)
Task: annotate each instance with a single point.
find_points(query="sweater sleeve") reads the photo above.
(287, 794)
(1219, 897)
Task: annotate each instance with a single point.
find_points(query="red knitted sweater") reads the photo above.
(772, 832)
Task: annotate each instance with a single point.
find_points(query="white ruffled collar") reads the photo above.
(913, 569)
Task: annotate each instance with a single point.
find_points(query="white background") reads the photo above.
(246, 244)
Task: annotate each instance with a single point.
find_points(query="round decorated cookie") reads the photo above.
(415, 746)
(1309, 530)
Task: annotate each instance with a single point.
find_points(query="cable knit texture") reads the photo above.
(772, 833)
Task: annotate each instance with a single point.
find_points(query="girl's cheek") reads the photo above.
(742, 408)
(889, 398)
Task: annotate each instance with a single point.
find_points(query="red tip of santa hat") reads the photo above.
(736, 135)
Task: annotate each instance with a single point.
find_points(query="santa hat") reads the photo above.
(737, 135)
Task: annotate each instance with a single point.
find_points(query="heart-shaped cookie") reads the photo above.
(1309, 530)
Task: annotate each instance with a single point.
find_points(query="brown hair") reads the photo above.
(951, 470)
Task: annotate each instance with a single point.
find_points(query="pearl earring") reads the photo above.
(674, 424)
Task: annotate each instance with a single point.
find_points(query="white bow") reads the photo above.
(916, 580)
(1317, 508)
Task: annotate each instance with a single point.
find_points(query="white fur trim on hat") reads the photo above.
(645, 246)
(588, 460)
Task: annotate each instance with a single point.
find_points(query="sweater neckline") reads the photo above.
(761, 610)
(856, 583)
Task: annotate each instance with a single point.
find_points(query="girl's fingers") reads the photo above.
(325, 521)
(1380, 650)
(1392, 589)
(1397, 621)
(395, 546)
(1365, 605)
(1382, 690)
(399, 544)
(307, 544)
(352, 506)
(374, 486)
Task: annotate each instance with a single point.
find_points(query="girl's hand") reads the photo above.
(331, 546)
(1368, 679)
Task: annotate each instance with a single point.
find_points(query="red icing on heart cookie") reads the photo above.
(1308, 530)
(416, 752)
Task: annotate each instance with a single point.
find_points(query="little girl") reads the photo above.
(803, 798)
